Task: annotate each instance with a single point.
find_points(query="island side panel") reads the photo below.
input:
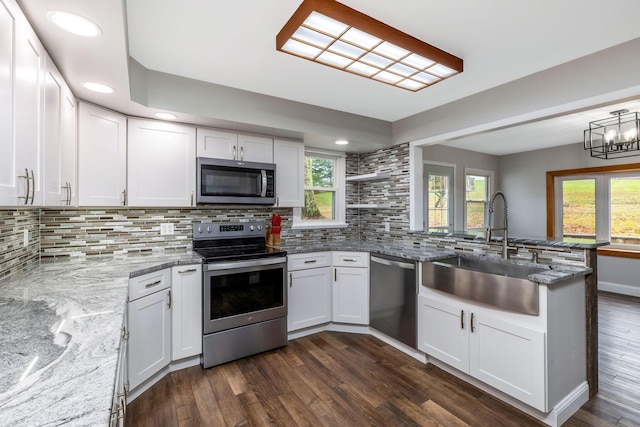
(591, 303)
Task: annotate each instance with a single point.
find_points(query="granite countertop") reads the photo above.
(549, 274)
(572, 243)
(69, 315)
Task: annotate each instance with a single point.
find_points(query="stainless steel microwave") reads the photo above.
(234, 182)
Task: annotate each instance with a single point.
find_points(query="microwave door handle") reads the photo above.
(263, 192)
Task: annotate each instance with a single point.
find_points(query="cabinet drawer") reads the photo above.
(350, 259)
(149, 283)
(310, 260)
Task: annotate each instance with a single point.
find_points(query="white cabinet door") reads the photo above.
(351, 295)
(309, 298)
(149, 336)
(186, 317)
(55, 191)
(255, 148)
(289, 159)
(217, 144)
(102, 157)
(8, 169)
(509, 357)
(161, 163)
(68, 140)
(28, 78)
(442, 332)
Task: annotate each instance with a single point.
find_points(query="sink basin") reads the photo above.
(502, 285)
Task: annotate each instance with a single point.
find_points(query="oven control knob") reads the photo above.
(199, 229)
(208, 229)
(259, 228)
(251, 228)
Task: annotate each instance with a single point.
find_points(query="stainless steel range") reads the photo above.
(244, 291)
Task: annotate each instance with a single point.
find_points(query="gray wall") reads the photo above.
(523, 179)
(462, 159)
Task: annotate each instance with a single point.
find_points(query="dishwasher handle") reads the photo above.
(405, 265)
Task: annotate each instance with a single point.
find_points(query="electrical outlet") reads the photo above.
(26, 237)
(166, 229)
(387, 226)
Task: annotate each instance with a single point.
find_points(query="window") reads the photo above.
(324, 191)
(476, 201)
(439, 197)
(604, 206)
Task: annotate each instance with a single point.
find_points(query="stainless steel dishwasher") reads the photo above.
(392, 297)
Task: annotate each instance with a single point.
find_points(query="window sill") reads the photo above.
(619, 252)
(302, 226)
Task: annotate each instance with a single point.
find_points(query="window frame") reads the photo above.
(554, 190)
(435, 166)
(339, 188)
(489, 190)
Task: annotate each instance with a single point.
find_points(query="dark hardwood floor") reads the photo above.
(340, 379)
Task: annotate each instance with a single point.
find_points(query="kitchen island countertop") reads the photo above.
(69, 315)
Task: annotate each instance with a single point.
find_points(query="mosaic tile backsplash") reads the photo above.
(14, 255)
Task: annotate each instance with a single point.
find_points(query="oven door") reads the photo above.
(240, 293)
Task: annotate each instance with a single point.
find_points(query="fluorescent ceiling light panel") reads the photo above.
(73, 23)
(333, 34)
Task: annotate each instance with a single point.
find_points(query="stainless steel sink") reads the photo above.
(499, 284)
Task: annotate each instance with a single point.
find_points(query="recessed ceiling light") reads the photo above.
(73, 23)
(166, 116)
(97, 87)
(342, 142)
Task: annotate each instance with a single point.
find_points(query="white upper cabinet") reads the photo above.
(21, 109)
(161, 163)
(255, 148)
(289, 159)
(69, 139)
(59, 138)
(220, 144)
(102, 157)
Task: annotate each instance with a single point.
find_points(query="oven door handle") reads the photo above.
(244, 264)
(263, 191)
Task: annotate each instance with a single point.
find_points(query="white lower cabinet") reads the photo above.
(186, 318)
(149, 326)
(508, 356)
(351, 287)
(309, 293)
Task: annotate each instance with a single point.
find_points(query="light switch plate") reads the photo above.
(166, 229)
(26, 237)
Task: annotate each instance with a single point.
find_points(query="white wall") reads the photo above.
(462, 159)
(523, 179)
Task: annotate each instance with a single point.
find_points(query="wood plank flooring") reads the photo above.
(340, 379)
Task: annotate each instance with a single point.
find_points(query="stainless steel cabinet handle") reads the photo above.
(69, 194)
(192, 198)
(290, 280)
(335, 274)
(191, 270)
(33, 186)
(235, 152)
(124, 197)
(311, 261)
(348, 260)
(241, 153)
(278, 200)
(472, 328)
(461, 319)
(169, 303)
(157, 282)
(26, 197)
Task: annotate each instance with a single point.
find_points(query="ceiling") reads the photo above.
(232, 43)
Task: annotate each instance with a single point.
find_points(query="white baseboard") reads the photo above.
(618, 288)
